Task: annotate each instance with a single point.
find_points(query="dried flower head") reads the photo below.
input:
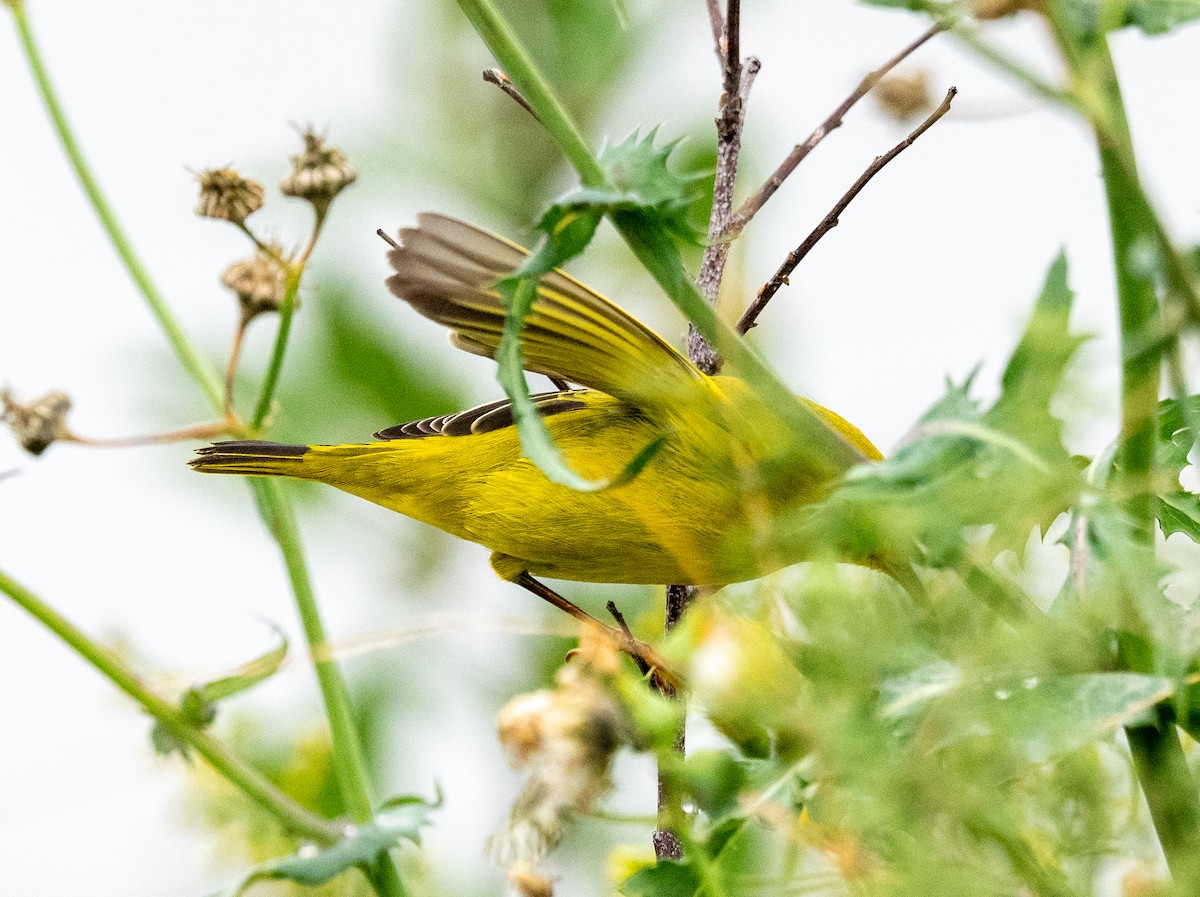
(902, 96)
(565, 739)
(227, 195)
(258, 282)
(319, 173)
(38, 424)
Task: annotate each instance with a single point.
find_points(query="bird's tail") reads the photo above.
(252, 458)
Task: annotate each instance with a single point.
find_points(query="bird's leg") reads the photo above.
(666, 679)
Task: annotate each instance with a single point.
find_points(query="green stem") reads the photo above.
(287, 311)
(348, 756)
(252, 783)
(349, 762)
(1158, 757)
(201, 372)
(520, 67)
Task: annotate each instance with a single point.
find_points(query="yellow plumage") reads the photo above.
(687, 517)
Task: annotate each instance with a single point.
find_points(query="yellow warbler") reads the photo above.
(688, 517)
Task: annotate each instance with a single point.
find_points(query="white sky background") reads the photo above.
(932, 270)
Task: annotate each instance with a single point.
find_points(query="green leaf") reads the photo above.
(1036, 368)
(1178, 510)
(666, 878)
(199, 702)
(399, 819)
(905, 696)
(713, 779)
(1161, 16)
(1046, 718)
(566, 232)
(1005, 467)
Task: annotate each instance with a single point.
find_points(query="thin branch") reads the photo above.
(501, 80)
(732, 49)
(736, 82)
(751, 206)
(643, 667)
(195, 431)
(235, 357)
(830, 221)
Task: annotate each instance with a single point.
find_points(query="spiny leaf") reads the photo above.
(641, 181)
(1005, 467)
(401, 818)
(1178, 509)
(1035, 370)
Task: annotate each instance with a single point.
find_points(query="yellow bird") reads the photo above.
(688, 517)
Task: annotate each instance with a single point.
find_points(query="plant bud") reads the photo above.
(319, 173)
(227, 195)
(38, 424)
(258, 282)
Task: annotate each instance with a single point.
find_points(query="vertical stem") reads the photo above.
(201, 371)
(1158, 757)
(349, 761)
(348, 756)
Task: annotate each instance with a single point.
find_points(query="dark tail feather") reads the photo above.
(250, 458)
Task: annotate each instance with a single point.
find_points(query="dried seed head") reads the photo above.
(564, 739)
(319, 173)
(38, 424)
(227, 195)
(903, 96)
(258, 282)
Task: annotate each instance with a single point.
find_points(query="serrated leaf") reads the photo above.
(1046, 718)
(1178, 509)
(400, 819)
(1035, 369)
(1179, 512)
(641, 181)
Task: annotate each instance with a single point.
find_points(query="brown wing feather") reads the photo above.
(447, 271)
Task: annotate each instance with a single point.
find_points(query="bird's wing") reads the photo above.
(447, 271)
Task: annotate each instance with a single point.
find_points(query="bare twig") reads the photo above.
(235, 357)
(196, 431)
(640, 662)
(501, 80)
(736, 82)
(751, 206)
(830, 221)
